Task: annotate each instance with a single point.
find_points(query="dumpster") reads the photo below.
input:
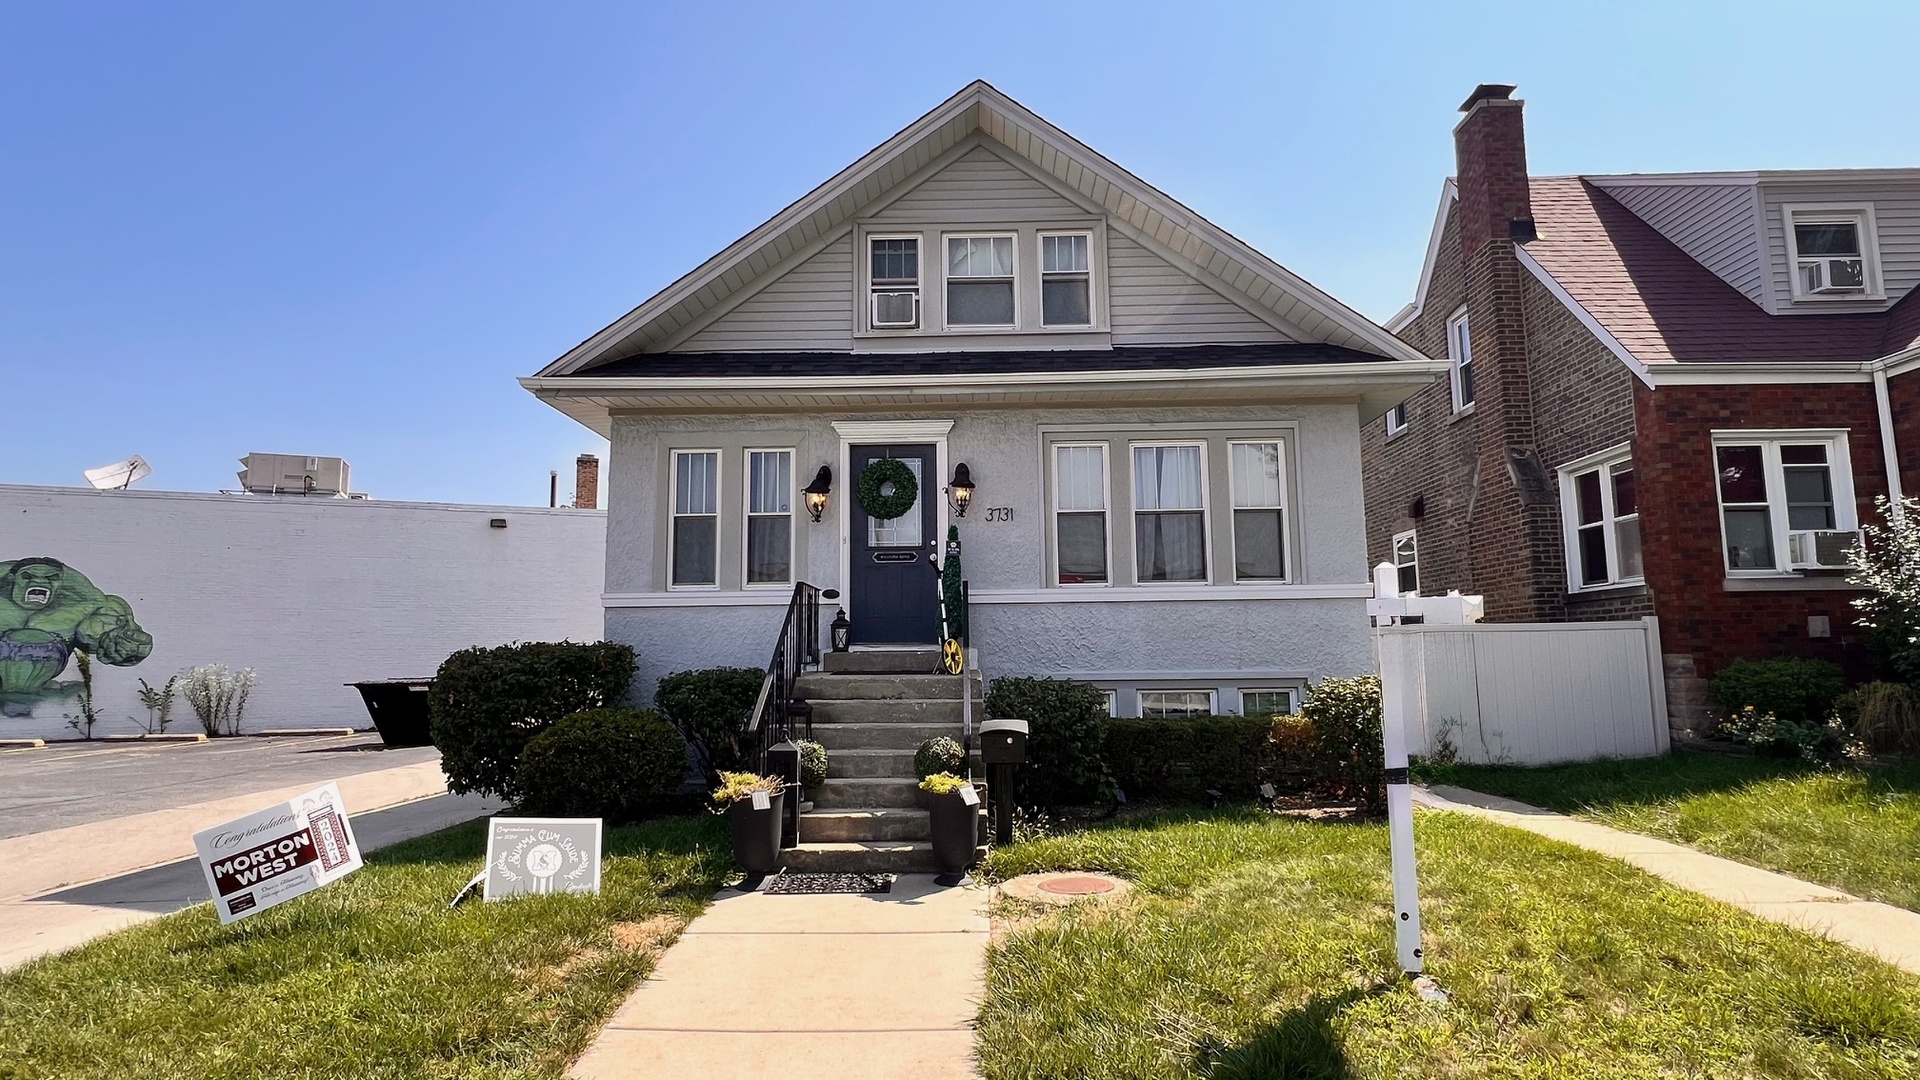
(399, 709)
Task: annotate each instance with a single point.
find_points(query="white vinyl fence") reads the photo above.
(1529, 693)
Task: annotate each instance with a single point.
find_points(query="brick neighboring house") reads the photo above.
(1659, 400)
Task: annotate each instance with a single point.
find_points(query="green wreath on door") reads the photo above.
(880, 504)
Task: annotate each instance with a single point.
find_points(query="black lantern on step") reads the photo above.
(960, 490)
(817, 493)
(841, 631)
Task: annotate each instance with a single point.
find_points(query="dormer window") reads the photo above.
(980, 281)
(1832, 251)
(895, 281)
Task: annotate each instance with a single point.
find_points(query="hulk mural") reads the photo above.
(47, 610)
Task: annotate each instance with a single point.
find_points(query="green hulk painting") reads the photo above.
(47, 610)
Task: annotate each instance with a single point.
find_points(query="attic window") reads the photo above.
(1832, 253)
(895, 281)
(980, 281)
(1066, 294)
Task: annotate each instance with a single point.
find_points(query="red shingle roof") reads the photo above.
(1665, 307)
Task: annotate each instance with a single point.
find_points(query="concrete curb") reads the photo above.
(157, 737)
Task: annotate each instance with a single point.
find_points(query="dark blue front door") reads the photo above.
(894, 597)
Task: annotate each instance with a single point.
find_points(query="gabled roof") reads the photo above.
(1134, 207)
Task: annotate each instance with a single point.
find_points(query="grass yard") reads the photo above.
(1854, 831)
(1256, 946)
(371, 976)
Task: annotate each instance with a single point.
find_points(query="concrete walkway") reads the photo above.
(65, 887)
(1888, 932)
(854, 987)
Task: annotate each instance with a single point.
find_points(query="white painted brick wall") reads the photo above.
(310, 593)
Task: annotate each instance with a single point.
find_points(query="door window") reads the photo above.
(905, 530)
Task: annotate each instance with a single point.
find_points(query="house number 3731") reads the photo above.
(999, 513)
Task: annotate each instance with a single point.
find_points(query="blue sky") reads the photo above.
(345, 228)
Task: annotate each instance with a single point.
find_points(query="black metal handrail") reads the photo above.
(777, 715)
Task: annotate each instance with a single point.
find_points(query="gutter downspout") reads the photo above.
(1889, 447)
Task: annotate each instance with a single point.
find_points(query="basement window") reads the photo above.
(1264, 702)
(1175, 704)
(980, 272)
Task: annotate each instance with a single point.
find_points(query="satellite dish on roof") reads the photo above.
(120, 474)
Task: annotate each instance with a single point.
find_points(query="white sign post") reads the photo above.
(538, 856)
(276, 854)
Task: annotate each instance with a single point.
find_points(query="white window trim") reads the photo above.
(1286, 513)
(1393, 556)
(1604, 461)
(1040, 261)
(1206, 513)
(1400, 411)
(1113, 702)
(1459, 331)
(946, 313)
(1140, 698)
(1860, 215)
(747, 515)
(1292, 692)
(1053, 512)
(919, 286)
(673, 513)
(1839, 467)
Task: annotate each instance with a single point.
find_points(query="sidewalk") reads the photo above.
(65, 887)
(1888, 932)
(868, 986)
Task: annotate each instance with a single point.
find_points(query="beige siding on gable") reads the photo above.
(1153, 302)
(809, 308)
(980, 187)
(1713, 223)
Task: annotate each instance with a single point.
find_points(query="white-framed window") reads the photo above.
(1113, 702)
(1406, 562)
(1786, 499)
(693, 535)
(1175, 704)
(1396, 419)
(1833, 252)
(1258, 479)
(893, 282)
(1460, 351)
(1600, 517)
(1066, 279)
(980, 281)
(1268, 701)
(1170, 533)
(1080, 537)
(769, 540)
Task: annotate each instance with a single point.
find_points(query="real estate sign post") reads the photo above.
(271, 856)
(1387, 606)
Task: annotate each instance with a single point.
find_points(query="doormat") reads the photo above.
(815, 884)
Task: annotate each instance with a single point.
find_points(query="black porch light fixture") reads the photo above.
(960, 490)
(817, 493)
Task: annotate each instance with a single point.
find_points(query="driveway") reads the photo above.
(76, 783)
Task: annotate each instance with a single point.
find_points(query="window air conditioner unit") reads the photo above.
(1822, 549)
(892, 310)
(1838, 275)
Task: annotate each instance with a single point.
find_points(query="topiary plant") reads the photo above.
(616, 764)
(937, 755)
(813, 763)
(1066, 740)
(486, 704)
(710, 706)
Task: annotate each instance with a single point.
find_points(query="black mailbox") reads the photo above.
(1003, 742)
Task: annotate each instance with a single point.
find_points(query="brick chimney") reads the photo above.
(586, 482)
(1490, 151)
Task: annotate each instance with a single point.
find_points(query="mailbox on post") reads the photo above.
(1003, 749)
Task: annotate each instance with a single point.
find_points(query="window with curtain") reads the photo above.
(1170, 511)
(980, 281)
(1258, 479)
(769, 517)
(1066, 294)
(694, 532)
(1080, 514)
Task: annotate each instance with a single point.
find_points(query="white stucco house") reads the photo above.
(1163, 427)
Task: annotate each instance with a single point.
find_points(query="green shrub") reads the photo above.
(1798, 692)
(711, 707)
(941, 783)
(1883, 715)
(1066, 737)
(813, 762)
(1295, 762)
(616, 764)
(1345, 714)
(1187, 757)
(937, 755)
(487, 703)
(1823, 744)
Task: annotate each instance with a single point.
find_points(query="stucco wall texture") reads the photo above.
(310, 593)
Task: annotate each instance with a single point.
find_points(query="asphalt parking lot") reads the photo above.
(78, 782)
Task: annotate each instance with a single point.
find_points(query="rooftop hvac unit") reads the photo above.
(294, 474)
(1820, 549)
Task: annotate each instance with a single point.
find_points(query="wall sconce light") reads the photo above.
(817, 493)
(841, 631)
(960, 490)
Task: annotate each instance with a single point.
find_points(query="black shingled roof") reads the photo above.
(1005, 362)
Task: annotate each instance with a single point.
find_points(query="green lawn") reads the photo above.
(369, 977)
(1257, 946)
(1857, 832)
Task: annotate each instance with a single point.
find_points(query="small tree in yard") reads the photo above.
(1887, 561)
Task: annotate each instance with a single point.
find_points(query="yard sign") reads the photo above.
(271, 856)
(535, 856)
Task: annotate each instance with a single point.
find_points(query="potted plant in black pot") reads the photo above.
(953, 817)
(753, 805)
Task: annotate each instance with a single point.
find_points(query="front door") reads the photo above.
(894, 596)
